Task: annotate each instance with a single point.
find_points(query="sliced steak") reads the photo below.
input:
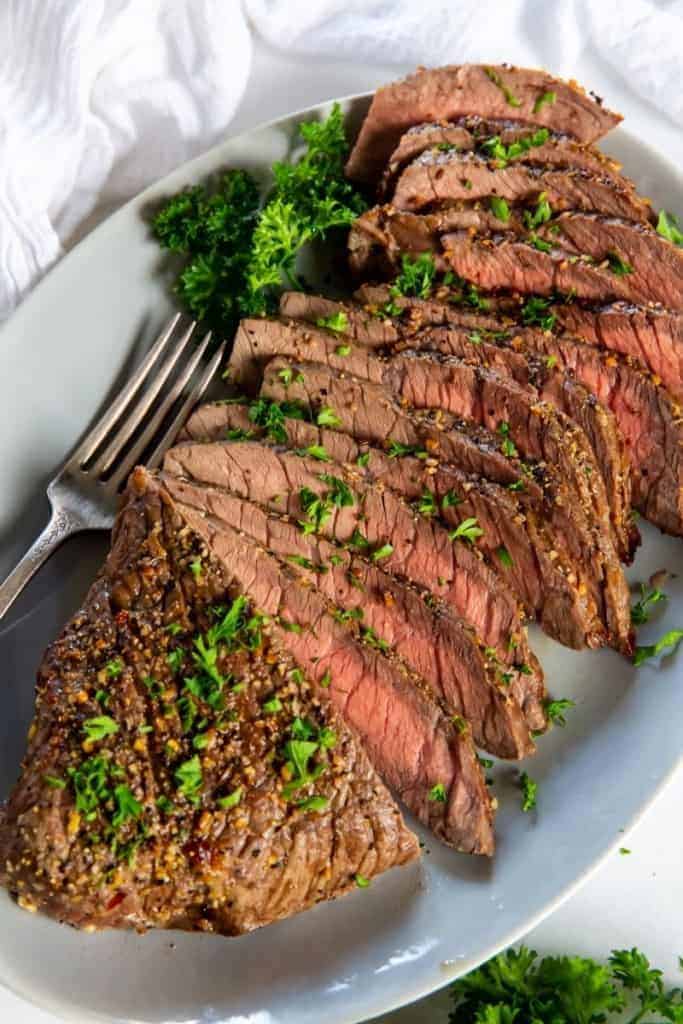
(389, 615)
(428, 762)
(445, 94)
(515, 535)
(131, 828)
(372, 518)
(652, 335)
(535, 430)
(521, 144)
(566, 395)
(504, 262)
(436, 177)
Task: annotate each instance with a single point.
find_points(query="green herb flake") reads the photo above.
(499, 208)
(617, 265)
(114, 668)
(326, 679)
(126, 806)
(416, 277)
(545, 98)
(272, 706)
(468, 530)
(363, 460)
(396, 450)
(640, 613)
(535, 313)
(494, 77)
(196, 568)
(337, 322)
(450, 500)
(460, 724)
(667, 227)
(327, 418)
(529, 790)
(188, 777)
(382, 552)
(437, 794)
(361, 881)
(504, 557)
(230, 800)
(670, 640)
(53, 782)
(555, 710)
(164, 805)
(342, 350)
(313, 803)
(624, 851)
(100, 727)
(426, 504)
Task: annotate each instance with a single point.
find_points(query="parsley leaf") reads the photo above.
(534, 313)
(671, 639)
(639, 612)
(188, 777)
(468, 530)
(529, 792)
(337, 322)
(437, 794)
(99, 727)
(499, 208)
(667, 227)
(416, 277)
(617, 265)
(545, 97)
(510, 98)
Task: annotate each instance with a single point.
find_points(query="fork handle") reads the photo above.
(61, 525)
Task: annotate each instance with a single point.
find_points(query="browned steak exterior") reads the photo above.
(516, 536)
(537, 146)
(437, 177)
(406, 736)
(445, 94)
(389, 615)
(132, 828)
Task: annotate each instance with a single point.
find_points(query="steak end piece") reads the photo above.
(448, 93)
(154, 789)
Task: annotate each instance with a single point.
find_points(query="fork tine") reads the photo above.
(192, 399)
(160, 414)
(90, 443)
(136, 415)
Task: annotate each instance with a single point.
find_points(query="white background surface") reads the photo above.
(632, 900)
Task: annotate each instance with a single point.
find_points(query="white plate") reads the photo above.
(412, 930)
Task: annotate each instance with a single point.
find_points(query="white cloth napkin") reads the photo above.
(100, 97)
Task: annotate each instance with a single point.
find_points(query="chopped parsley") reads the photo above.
(196, 568)
(510, 98)
(624, 851)
(326, 679)
(347, 614)
(287, 375)
(499, 208)
(363, 460)
(361, 881)
(370, 637)
(100, 727)
(535, 313)
(640, 613)
(315, 451)
(53, 782)
(551, 362)
(617, 265)
(126, 805)
(502, 154)
(529, 790)
(114, 668)
(507, 445)
(555, 710)
(540, 215)
(426, 504)
(396, 450)
(545, 97)
(539, 243)
(671, 639)
(460, 724)
(504, 557)
(342, 350)
(230, 800)
(468, 530)
(337, 322)
(327, 418)
(437, 794)
(450, 500)
(416, 277)
(313, 803)
(382, 552)
(271, 415)
(272, 706)
(238, 434)
(667, 227)
(188, 777)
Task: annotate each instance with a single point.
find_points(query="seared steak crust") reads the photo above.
(169, 860)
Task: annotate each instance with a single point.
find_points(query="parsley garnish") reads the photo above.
(337, 322)
(545, 97)
(618, 266)
(671, 639)
(347, 614)
(287, 375)
(639, 612)
(539, 243)
(361, 881)
(271, 416)
(510, 98)
(499, 208)
(437, 793)
(534, 313)
(504, 557)
(315, 451)
(188, 777)
(231, 800)
(99, 727)
(529, 792)
(53, 782)
(502, 154)
(363, 460)
(468, 529)
(327, 418)
(667, 226)
(272, 706)
(426, 504)
(114, 668)
(313, 803)
(370, 637)
(126, 806)
(396, 450)
(416, 277)
(342, 350)
(382, 552)
(555, 710)
(540, 215)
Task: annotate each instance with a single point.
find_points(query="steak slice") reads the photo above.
(445, 94)
(515, 534)
(522, 144)
(256, 340)
(505, 262)
(388, 615)
(375, 520)
(426, 759)
(437, 177)
(139, 826)
(381, 236)
(651, 335)
(535, 430)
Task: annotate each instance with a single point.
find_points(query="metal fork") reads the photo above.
(84, 493)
